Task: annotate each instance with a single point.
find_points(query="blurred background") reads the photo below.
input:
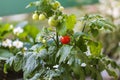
(14, 12)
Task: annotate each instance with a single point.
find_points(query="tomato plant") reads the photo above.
(48, 59)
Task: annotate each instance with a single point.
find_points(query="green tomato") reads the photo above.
(56, 4)
(52, 22)
(61, 8)
(35, 16)
(42, 17)
(43, 41)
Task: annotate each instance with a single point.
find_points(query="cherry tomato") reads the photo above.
(61, 8)
(56, 4)
(52, 22)
(42, 17)
(65, 39)
(43, 41)
(35, 16)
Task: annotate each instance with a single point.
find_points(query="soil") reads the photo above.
(11, 75)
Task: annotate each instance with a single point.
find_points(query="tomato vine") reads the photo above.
(81, 55)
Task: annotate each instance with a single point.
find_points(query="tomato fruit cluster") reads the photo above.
(38, 17)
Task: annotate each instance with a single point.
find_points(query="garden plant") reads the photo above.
(59, 52)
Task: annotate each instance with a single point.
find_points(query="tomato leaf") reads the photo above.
(70, 21)
(63, 52)
(31, 63)
(112, 73)
(95, 48)
(62, 29)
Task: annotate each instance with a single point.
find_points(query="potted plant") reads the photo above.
(60, 53)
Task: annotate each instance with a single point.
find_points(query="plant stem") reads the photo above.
(54, 40)
(84, 27)
(57, 39)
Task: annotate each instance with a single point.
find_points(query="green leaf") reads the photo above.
(37, 47)
(112, 73)
(4, 53)
(87, 70)
(66, 76)
(108, 25)
(64, 52)
(95, 48)
(71, 60)
(95, 74)
(82, 57)
(26, 56)
(70, 21)
(79, 71)
(22, 35)
(31, 64)
(6, 27)
(42, 53)
(94, 32)
(101, 23)
(79, 34)
(98, 22)
(35, 77)
(81, 44)
(52, 49)
(99, 76)
(10, 61)
(114, 65)
(32, 4)
(101, 66)
(31, 31)
(62, 30)
(82, 75)
(18, 62)
(50, 74)
(3, 59)
(4, 30)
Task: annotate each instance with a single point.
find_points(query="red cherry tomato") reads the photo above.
(65, 39)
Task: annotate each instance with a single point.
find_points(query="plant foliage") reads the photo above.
(49, 59)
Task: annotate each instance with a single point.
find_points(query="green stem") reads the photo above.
(54, 40)
(57, 39)
(84, 27)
